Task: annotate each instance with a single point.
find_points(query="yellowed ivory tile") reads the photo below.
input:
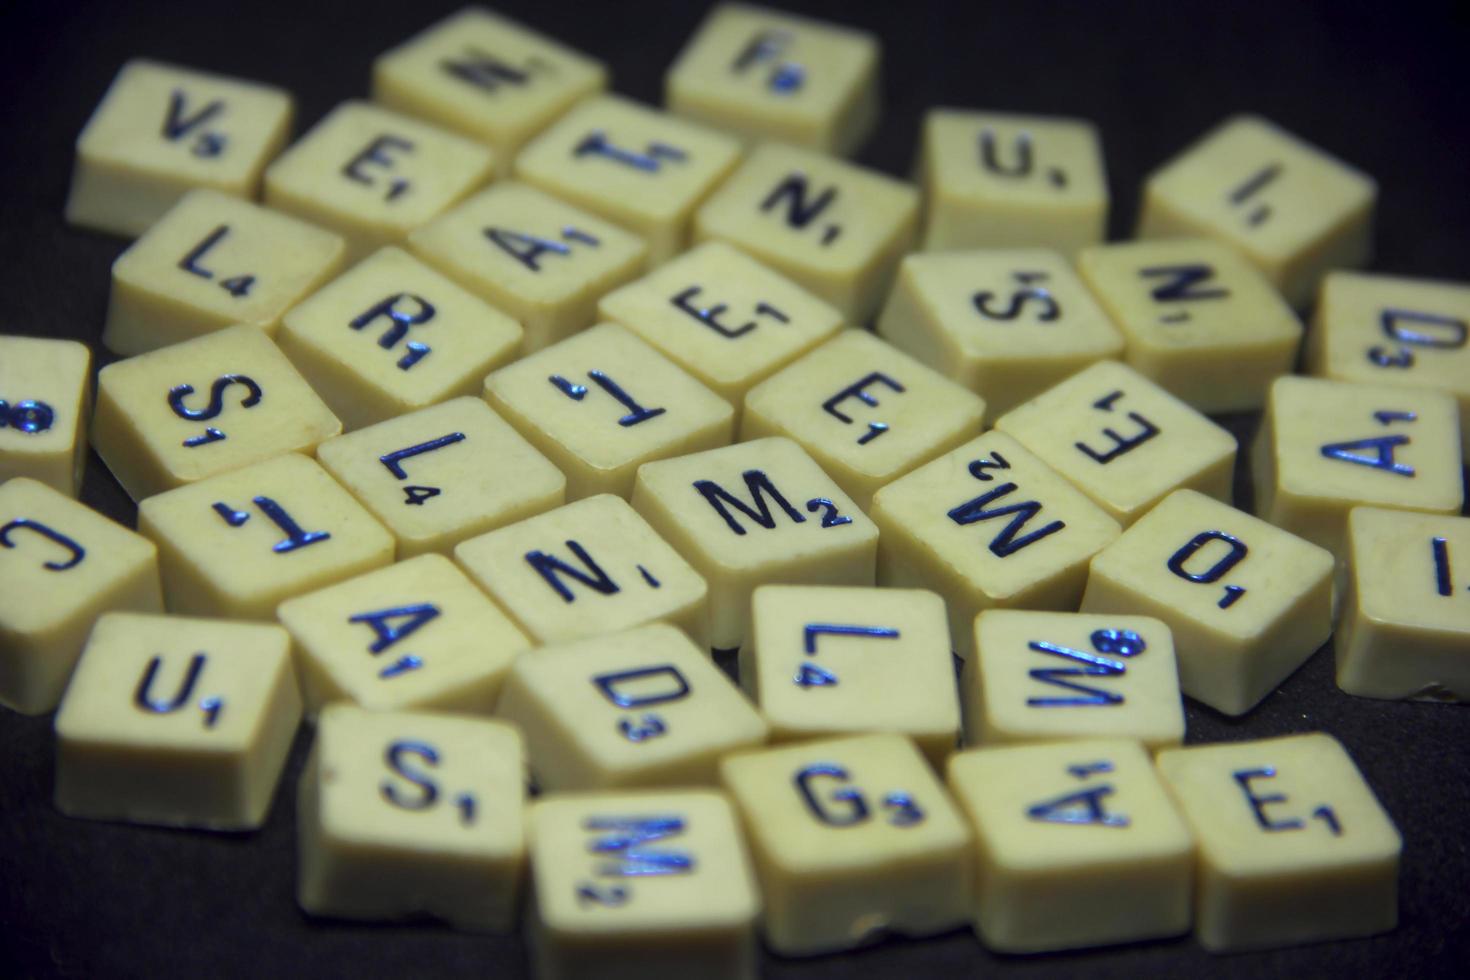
(176, 721)
(486, 76)
(999, 180)
(988, 525)
(592, 567)
(798, 526)
(162, 130)
(45, 400)
(643, 707)
(763, 73)
(401, 814)
(211, 261)
(1247, 602)
(1293, 846)
(63, 565)
(1294, 211)
(1007, 323)
(443, 474)
(183, 413)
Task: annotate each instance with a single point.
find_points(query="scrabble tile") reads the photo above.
(1404, 626)
(202, 407)
(988, 525)
(998, 180)
(372, 175)
(636, 166)
(825, 661)
(798, 526)
(1293, 210)
(1123, 440)
(762, 73)
(1197, 319)
(532, 256)
(644, 707)
(1247, 602)
(1293, 846)
(45, 398)
(1006, 323)
(1077, 844)
(1325, 447)
(867, 412)
(391, 335)
(443, 474)
(853, 838)
(1390, 330)
(602, 403)
(401, 814)
(659, 882)
(485, 76)
(417, 635)
(176, 721)
(238, 544)
(1047, 676)
(723, 317)
(162, 130)
(212, 261)
(63, 565)
(837, 229)
(591, 567)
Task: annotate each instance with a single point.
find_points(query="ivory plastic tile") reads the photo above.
(532, 256)
(372, 175)
(401, 814)
(1197, 319)
(1006, 323)
(602, 403)
(1390, 330)
(485, 76)
(238, 544)
(63, 565)
(162, 130)
(762, 73)
(391, 335)
(825, 661)
(1078, 844)
(1048, 676)
(1404, 625)
(798, 526)
(662, 873)
(997, 180)
(1123, 440)
(183, 722)
(443, 474)
(645, 707)
(591, 567)
(1035, 533)
(213, 260)
(1325, 447)
(835, 228)
(1247, 602)
(417, 635)
(1293, 210)
(45, 399)
(867, 412)
(723, 317)
(1293, 845)
(853, 838)
(636, 166)
(183, 413)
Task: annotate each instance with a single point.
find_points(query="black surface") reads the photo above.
(1383, 86)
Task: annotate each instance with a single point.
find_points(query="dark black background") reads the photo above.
(1383, 85)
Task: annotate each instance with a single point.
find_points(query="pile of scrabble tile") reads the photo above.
(512, 400)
